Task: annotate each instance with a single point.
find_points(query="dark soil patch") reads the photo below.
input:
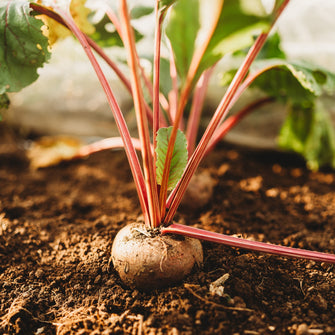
(57, 226)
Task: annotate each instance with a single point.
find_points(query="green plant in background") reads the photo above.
(168, 124)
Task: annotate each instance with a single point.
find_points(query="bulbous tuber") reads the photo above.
(147, 260)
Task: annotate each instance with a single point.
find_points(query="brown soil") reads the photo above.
(57, 226)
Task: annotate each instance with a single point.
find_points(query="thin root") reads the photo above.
(164, 256)
(239, 309)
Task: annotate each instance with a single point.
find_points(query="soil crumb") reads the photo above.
(57, 226)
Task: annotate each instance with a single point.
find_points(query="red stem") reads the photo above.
(121, 124)
(247, 244)
(196, 109)
(174, 93)
(233, 120)
(48, 12)
(142, 122)
(162, 98)
(96, 47)
(220, 113)
(194, 66)
(106, 144)
(112, 16)
(156, 72)
(114, 19)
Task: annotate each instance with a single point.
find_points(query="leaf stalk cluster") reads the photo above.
(158, 204)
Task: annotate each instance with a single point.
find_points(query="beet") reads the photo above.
(147, 260)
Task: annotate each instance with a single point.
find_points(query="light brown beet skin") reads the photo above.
(148, 261)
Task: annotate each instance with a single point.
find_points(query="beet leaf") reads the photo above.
(235, 29)
(23, 48)
(182, 31)
(179, 158)
(296, 81)
(309, 132)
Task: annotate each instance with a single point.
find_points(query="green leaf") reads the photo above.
(236, 29)
(164, 4)
(106, 35)
(140, 11)
(307, 129)
(4, 101)
(237, 26)
(23, 47)
(182, 29)
(179, 157)
(298, 82)
(272, 48)
(309, 132)
(166, 84)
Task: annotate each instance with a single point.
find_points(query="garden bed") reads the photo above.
(57, 226)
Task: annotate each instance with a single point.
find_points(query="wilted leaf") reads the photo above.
(79, 12)
(179, 157)
(50, 150)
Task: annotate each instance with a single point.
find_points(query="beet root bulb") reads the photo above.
(148, 260)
